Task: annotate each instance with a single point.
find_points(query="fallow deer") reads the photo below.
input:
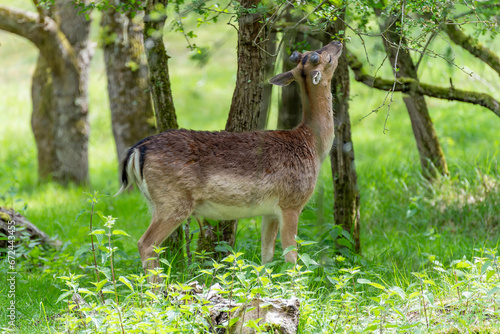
(224, 175)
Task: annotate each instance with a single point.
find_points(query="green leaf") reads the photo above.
(120, 232)
(398, 291)
(125, 281)
(289, 249)
(63, 296)
(363, 281)
(87, 291)
(100, 284)
(493, 291)
(233, 321)
(378, 286)
(96, 232)
(307, 260)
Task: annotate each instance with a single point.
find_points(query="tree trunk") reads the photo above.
(43, 118)
(71, 91)
(245, 106)
(247, 96)
(63, 42)
(432, 159)
(127, 73)
(346, 194)
(159, 78)
(71, 98)
(290, 114)
(159, 84)
(265, 105)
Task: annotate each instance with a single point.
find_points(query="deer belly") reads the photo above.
(220, 211)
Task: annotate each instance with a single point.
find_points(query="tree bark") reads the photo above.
(127, 74)
(63, 43)
(247, 96)
(408, 85)
(159, 78)
(43, 118)
(432, 159)
(71, 92)
(346, 203)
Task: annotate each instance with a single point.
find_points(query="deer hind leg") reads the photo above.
(289, 231)
(269, 231)
(166, 218)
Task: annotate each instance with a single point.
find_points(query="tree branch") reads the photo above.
(46, 35)
(407, 85)
(473, 46)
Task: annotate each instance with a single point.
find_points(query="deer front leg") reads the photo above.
(269, 231)
(289, 231)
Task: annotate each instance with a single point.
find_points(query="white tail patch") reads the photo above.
(133, 170)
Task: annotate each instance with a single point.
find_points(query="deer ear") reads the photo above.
(316, 77)
(283, 79)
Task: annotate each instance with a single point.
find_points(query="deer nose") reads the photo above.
(336, 43)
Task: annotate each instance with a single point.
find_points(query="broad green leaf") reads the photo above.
(493, 291)
(100, 284)
(63, 296)
(120, 232)
(151, 295)
(378, 286)
(233, 321)
(125, 281)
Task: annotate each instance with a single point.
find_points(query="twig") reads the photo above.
(434, 34)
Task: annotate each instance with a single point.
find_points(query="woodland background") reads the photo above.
(426, 220)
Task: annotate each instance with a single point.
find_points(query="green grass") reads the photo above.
(405, 220)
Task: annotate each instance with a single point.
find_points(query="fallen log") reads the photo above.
(22, 225)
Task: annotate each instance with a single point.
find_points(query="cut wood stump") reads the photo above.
(276, 315)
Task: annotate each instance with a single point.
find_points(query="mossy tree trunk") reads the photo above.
(159, 77)
(245, 105)
(346, 203)
(159, 84)
(432, 159)
(127, 74)
(65, 48)
(43, 117)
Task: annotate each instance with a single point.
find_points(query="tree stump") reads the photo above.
(277, 315)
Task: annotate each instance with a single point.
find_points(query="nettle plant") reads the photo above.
(338, 297)
(100, 300)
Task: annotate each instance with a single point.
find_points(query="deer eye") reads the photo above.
(330, 60)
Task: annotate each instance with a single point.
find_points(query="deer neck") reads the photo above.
(317, 115)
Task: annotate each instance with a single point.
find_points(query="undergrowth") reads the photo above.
(104, 290)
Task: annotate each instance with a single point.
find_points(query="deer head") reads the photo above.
(313, 67)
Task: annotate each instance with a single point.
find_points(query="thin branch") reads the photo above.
(434, 34)
(409, 85)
